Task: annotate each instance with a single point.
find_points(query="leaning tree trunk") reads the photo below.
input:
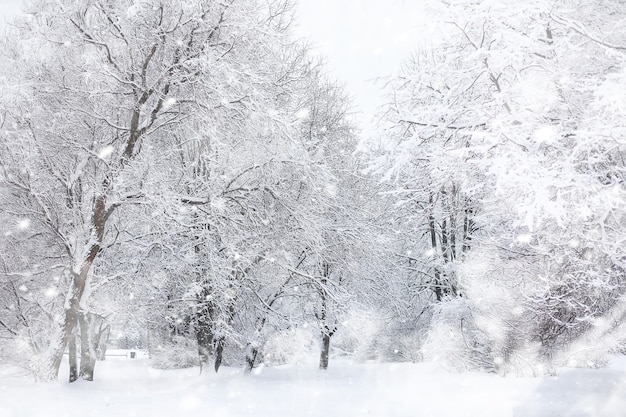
(79, 282)
(72, 312)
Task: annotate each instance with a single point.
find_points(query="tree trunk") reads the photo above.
(252, 351)
(69, 324)
(77, 289)
(204, 329)
(325, 350)
(73, 360)
(452, 211)
(327, 332)
(102, 342)
(221, 341)
(468, 229)
(252, 348)
(78, 285)
(433, 244)
(87, 354)
(204, 336)
(445, 248)
(219, 352)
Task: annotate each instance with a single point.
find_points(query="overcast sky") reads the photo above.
(360, 39)
(8, 8)
(363, 40)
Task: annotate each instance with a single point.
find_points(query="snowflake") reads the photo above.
(303, 113)
(106, 152)
(545, 134)
(23, 224)
(51, 292)
(169, 102)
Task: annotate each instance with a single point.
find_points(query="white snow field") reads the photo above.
(131, 388)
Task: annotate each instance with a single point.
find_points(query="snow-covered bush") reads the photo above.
(357, 335)
(606, 336)
(294, 345)
(181, 352)
(455, 341)
(496, 287)
(396, 340)
(18, 353)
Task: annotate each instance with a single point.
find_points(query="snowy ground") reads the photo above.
(127, 387)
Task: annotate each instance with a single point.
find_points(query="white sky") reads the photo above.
(360, 39)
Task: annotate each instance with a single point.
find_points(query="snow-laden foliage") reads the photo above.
(505, 147)
(289, 346)
(183, 177)
(179, 352)
(186, 169)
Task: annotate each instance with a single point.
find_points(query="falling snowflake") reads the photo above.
(23, 224)
(51, 292)
(106, 152)
(169, 102)
(545, 134)
(303, 113)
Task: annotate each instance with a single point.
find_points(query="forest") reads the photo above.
(186, 178)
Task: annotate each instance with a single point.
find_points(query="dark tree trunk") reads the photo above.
(251, 354)
(445, 248)
(219, 352)
(204, 328)
(452, 210)
(468, 229)
(438, 285)
(452, 237)
(221, 340)
(73, 360)
(324, 355)
(327, 331)
(204, 336)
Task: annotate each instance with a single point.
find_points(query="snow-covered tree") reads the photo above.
(505, 138)
(107, 92)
